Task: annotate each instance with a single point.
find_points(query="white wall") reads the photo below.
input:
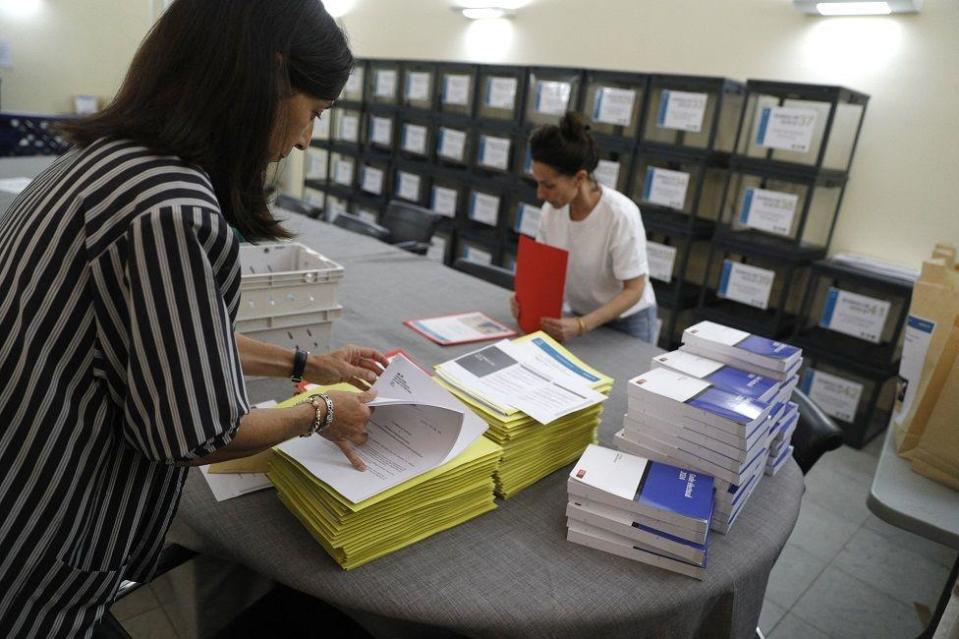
(902, 196)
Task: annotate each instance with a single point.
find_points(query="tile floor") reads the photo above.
(843, 573)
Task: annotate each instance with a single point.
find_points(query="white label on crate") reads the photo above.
(681, 110)
(527, 219)
(367, 216)
(444, 201)
(661, 260)
(314, 198)
(665, 187)
(607, 173)
(501, 93)
(854, 314)
(321, 128)
(343, 174)
(484, 208)
(452, 144)
(456, 90)
(837, 397)
(418, 85)
(552, 98)
(382, 131)
(788, 128)
(317, 163)
(746, 284)
(494, 152)
(349, 128)
(771, 211)
(372, 180)
(915, 345)
(614, 106)
(409, 186)
(336, 206)
(354, 84)
(414, 138)
(477, 255)
(385, 85)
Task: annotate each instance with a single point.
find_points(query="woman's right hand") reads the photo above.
(514, 307)
(350, 415)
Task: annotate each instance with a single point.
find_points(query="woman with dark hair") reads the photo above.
(607, 273)
(120, 278)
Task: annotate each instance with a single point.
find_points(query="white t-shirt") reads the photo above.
(605, 249)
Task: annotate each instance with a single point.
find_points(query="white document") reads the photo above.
(788, 128)
(717, 333)
(681, 110)
(14, 185)
(501, 93)
(836, 396)
(609, 470)
(229, 485)
(771, 211)
(452, 144)
(409, 186)
(382, 131)
(614, 106)
(854, 314)
(552, 98)
(444, 201)
(484, 208)
(503, 376)
(479, 256)
(414, 138)
(539, 352)
(343, 174)
(746, 284)
(456, 90)
(317, 163)
(349, 128)
(665, 187)
(689, 364)
(418, 85)
(494, 152)
(661, 260)
(607, 173)
(915, 345)
(417, 426)
(461, 328)
(527, 219)
(668, 383)
(372, 180)
(385, 85)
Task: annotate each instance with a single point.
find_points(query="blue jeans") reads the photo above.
(641, 324)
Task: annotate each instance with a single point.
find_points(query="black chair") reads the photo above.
(290, 203)
(411, 227)
(815, 435)
(493, 274)
(357, 225)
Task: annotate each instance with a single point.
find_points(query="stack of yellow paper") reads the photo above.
(532, 450)
(356, 533)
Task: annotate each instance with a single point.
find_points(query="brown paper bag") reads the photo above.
(934, 307)
(937, 414)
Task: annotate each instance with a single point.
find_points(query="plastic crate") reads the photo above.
(285, 279)
(310, 331)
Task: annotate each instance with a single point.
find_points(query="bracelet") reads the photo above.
(582, 325)
(320, 422)
(299, 365)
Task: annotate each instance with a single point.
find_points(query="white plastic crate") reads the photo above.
(285, 278)
(309, 331)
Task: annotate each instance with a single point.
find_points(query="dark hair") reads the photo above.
(568, 148)
(206, 85)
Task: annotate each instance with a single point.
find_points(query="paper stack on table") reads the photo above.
(542, 404)
(648, 511)
(428, 469)
(720, 405)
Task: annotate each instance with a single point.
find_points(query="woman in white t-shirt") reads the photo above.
(607, 279)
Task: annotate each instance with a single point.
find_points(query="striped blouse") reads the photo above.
(119, 286)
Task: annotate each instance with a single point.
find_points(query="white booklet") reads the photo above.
(416, 426)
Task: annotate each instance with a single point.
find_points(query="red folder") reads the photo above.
(539, 283)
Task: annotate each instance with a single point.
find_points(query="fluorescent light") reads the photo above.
(853, 8)
(485, 13)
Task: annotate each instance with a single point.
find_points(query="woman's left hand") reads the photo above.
(560, 329)
(356, 365)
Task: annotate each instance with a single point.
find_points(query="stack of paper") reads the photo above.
(742, 350)
(639, 509)
(541, 403)
(780, 450)
(428, 469)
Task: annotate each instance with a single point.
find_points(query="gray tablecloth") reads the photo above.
(510, 572)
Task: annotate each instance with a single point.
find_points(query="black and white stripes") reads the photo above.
(119, 285)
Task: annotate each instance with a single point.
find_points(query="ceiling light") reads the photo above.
(487, 13)
(857, 7)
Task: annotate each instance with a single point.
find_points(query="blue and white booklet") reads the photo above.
(721, 376)
(663, 492)
(743, 350)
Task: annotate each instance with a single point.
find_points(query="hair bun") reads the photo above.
(573, 127)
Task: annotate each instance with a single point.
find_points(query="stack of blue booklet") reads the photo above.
(780, 450)
(743, 350)
(654, 513)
